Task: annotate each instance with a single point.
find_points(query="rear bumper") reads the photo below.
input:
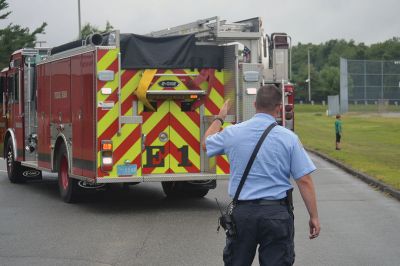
(162, 177)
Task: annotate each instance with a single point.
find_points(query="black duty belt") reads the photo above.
(263, 202)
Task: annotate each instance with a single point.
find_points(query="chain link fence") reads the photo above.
(369, 85)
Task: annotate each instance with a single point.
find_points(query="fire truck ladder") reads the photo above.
(215, 30)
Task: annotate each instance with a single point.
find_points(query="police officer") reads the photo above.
(262, 216)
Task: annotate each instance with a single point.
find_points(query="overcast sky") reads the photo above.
(314, 21)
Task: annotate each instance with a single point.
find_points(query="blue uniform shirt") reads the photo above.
(280, 156)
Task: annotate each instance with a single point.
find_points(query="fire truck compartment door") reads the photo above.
(172, 142)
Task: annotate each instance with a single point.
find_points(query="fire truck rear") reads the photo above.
(126, 108)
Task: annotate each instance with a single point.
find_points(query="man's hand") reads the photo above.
(224, 110)
(314, 228)
(216, 125)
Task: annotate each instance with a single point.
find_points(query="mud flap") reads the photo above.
(31, 173)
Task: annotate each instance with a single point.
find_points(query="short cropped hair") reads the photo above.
(268, 97)
(337, 116)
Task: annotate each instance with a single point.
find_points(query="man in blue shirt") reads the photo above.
(261, 215)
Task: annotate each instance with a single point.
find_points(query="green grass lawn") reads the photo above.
(370, 143)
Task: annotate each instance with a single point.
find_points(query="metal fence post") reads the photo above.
(344, 89)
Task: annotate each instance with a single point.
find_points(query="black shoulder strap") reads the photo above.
(251, 160)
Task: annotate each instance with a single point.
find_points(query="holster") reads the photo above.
(227, 222)
(289, 200)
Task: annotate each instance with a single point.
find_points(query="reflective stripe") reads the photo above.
(127, 145)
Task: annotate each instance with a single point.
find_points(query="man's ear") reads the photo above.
(278, 108)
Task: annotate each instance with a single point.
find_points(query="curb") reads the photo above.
(364, 177)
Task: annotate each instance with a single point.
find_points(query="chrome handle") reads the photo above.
(143, 141)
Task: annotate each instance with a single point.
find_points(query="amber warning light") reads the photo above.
(106, 155)
(106, 146)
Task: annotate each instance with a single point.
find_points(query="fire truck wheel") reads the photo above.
(69, 189)
(199, 193)
(14, 168)
(181, 190)
(170, 189)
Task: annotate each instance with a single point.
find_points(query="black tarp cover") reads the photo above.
(143, 52)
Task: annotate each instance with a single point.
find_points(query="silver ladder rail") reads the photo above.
(197, 27)
(211, 29)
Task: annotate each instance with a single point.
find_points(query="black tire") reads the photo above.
(182, 190)
(172, 189)
(199, 192)
(14, 168)
(69, 189)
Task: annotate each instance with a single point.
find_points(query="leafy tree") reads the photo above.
(89, 29)
(14, 37)
(4, 5)
(330, 80)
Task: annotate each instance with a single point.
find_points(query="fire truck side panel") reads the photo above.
(88, 122)
(44, 92)
(82, 109)
(76, 114)
(61, 92)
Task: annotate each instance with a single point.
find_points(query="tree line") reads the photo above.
(324, 63)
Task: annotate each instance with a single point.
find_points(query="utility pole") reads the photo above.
(79, 19)
(309, 78)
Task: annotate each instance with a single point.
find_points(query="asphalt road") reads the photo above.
(139, 226)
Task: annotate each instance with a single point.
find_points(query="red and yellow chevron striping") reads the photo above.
(172, 143)
(127, 144)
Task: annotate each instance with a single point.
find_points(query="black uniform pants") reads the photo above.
(269, 227)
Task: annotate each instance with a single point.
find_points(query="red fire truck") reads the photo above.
(127, 108)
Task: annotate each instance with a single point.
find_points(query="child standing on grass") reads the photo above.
(338, 130)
